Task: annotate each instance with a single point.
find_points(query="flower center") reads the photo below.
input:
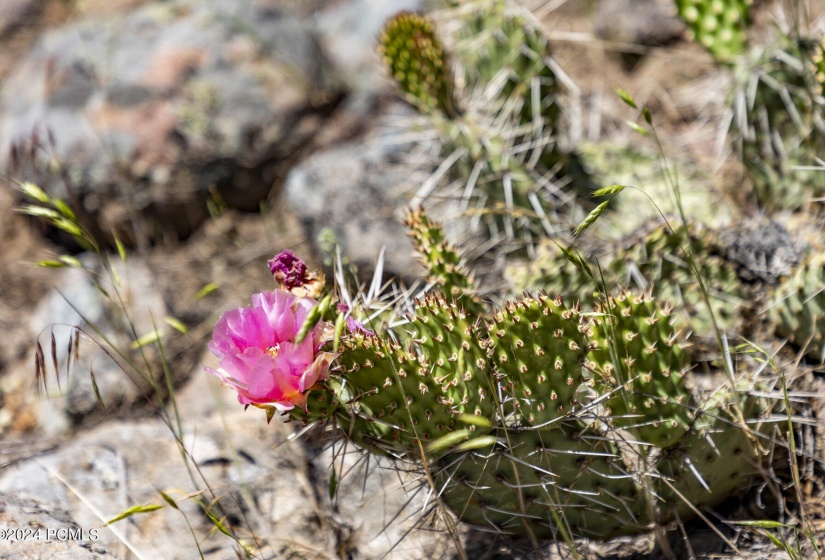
(273, 350)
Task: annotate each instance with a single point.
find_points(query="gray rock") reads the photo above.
(79, 303)
(149, 110)
(349, 37)
(15, 14)
(266, 486)
(649, 23)
(47, 531)
(353, 196)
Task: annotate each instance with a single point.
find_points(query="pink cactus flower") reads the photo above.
(258, 355)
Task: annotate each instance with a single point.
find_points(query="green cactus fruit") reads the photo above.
(718, 25)
(443, 261)
(798, 308)
(778, 126)
(418, 63)
(643, 363)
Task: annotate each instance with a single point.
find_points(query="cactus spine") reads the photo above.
(780, 130)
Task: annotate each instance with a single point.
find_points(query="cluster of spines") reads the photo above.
(418, 63)
(718, 25)
(779, 129)
(797, 311)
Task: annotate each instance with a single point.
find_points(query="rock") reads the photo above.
(15, 14)
(353, 196)
(268, 487)
(349, 37)
(80, 303)
(46, 530)
(152, 112)
(646, 23)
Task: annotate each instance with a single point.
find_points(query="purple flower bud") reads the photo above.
(289, 270)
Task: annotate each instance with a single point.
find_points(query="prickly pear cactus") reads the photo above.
(798, 309)
(526, 426)
(718, 25)
(778, 124)
(655, 261)
(417, 62)
(644, 368)
(575, 450)
(499, 46)
(497, 122)
(659, 261)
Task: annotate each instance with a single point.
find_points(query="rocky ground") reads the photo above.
(207, 136)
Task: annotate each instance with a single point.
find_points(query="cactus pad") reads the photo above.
(718, 25)
(417, 62)
(798, 309)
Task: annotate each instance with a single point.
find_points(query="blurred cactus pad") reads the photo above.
(417, 62)
(718, 25)
(543, 416)
(494, 102)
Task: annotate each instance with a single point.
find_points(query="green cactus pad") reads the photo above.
(643, 363)
(445, 267)
(718, 457)
(537, 348)
(798, 309)
(388, 398)
(536, 480)
(570, 476)
(718, 25)
(418, 63)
